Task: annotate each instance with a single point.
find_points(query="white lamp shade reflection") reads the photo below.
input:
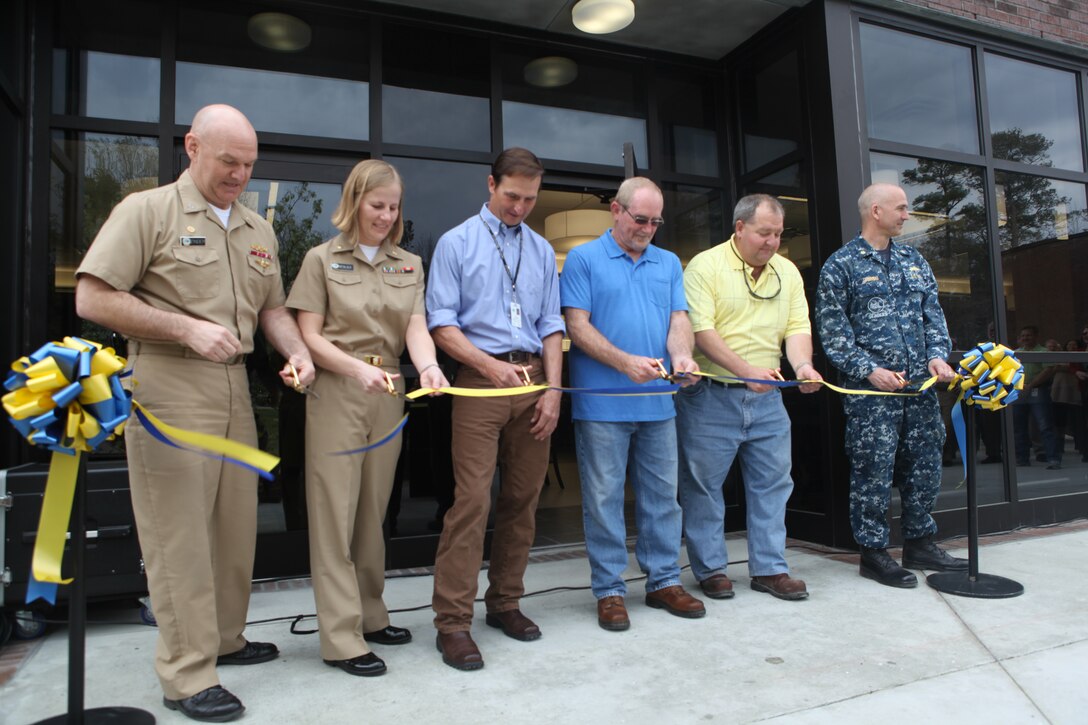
(279, 31)
(550, 71)
(566, 230)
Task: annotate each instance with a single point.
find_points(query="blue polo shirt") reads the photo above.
(630, 303)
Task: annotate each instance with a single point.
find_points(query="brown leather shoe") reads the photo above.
(514, 624)
(459, 651)
(612, 614)
(717, 587)
(781, 586)
(675, 600)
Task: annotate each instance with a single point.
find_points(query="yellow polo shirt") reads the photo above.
(718, 300)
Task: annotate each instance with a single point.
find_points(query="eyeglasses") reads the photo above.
(644, 220)
(744, 273)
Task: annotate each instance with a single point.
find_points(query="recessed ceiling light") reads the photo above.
(602, 16)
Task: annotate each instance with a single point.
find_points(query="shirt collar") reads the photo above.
(342, 245)
(193, 201)
(493, 222)
(614, 250)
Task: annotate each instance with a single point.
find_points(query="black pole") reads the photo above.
(77, 627)
(970, 583)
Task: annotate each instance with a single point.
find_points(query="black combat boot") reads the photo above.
(877, 565)
(924, 554)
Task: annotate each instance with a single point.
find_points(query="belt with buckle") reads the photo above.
(375, 360)
(135, 347)
(719, 383)
(517, 357)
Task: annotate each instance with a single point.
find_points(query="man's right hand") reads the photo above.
(504, 374)
(211, 341)
(887, 380)
(641, 369)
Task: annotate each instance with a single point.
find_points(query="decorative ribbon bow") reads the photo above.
(990, 377)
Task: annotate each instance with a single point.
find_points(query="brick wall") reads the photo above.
(1063, 21)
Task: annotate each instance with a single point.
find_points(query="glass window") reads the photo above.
(694, 220)
(13, 44)
(918, 91)
(573, 107)
(685, 112)
(438, 195)
(1033, 113)
(435, 89)
(560, 133)
(276, 101)
(770, 110)
(106, 85)
(786, 186)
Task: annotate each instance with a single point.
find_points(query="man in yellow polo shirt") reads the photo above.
(744, 301)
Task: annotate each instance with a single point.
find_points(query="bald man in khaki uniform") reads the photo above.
(186, 273)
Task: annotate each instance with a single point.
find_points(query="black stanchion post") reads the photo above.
(970, 583)
(77, 628)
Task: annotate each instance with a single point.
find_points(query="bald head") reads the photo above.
(883, 210)
(222, 148)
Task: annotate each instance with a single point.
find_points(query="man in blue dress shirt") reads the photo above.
(627, 316)
(493, 305)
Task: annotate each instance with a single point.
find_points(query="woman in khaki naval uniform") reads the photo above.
(360, 301)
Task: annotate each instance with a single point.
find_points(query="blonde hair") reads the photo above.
(365, 177)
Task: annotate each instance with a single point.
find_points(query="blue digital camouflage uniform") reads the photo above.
(872, 315)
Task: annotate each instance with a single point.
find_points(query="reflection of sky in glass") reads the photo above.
(257, 199)
(427, 118)
(277, 102)
(696, 150)
(1038, 100)
(560, 133)
(438, 195)
(918, 90)
(121, 86)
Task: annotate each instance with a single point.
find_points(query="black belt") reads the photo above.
(517, 357)
(719, 383)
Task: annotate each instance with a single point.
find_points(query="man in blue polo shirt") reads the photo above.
(627, 319)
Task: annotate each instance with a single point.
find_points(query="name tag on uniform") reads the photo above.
(342, 266)
(192, 241)
(515, 314)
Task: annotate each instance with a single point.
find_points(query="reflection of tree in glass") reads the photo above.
(1030, 201)
(114, 167)
(295, 231)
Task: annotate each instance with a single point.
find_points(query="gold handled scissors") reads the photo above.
(525, 375)
(299, 388)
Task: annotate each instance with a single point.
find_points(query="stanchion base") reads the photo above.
(107, 716)
(982, 586)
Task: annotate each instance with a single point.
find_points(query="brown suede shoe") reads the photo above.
(717, 587)
(675, 600)
(514, 624)
(612, 614)
(459, 651)
(781, 586)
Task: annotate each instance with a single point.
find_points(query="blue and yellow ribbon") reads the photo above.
(67, 397)
(990, 377)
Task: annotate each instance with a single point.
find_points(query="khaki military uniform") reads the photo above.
(196, 517)
(366, 305)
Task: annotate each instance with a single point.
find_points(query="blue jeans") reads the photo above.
(1036, 404)
(714, 426)
(608, 453)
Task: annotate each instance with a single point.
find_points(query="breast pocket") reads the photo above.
(399, 293)
(660, 292)
(196, 272)
(345, 291)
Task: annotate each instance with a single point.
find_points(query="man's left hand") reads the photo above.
(683, 369)
(807, 372)
(546, 415)
(942, 370)
(303, 365)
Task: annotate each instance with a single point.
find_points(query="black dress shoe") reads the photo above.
(368, 665)
(254, 653)
(924, 554)
(877, 565)
(212, 705)
(389, 635)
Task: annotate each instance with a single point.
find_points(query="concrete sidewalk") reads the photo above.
(854, 652)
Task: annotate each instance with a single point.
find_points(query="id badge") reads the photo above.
(515, 314)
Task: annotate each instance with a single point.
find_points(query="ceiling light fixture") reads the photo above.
(279, 31)
(550, 71)
(602, 16)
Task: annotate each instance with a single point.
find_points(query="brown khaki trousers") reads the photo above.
(486, 430)
(346, 499)
(196, 516)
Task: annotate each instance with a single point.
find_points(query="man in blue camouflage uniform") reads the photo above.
(881, 325)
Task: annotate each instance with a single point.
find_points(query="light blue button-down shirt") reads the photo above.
(469, 288)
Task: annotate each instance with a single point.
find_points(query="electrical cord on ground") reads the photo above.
(296, 619)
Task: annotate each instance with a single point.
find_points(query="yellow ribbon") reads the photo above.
(478, 392)
(53, 520)
(845, 391)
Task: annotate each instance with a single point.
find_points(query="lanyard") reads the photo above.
(498, 247)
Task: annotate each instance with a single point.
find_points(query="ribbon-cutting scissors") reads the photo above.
(299, 388)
